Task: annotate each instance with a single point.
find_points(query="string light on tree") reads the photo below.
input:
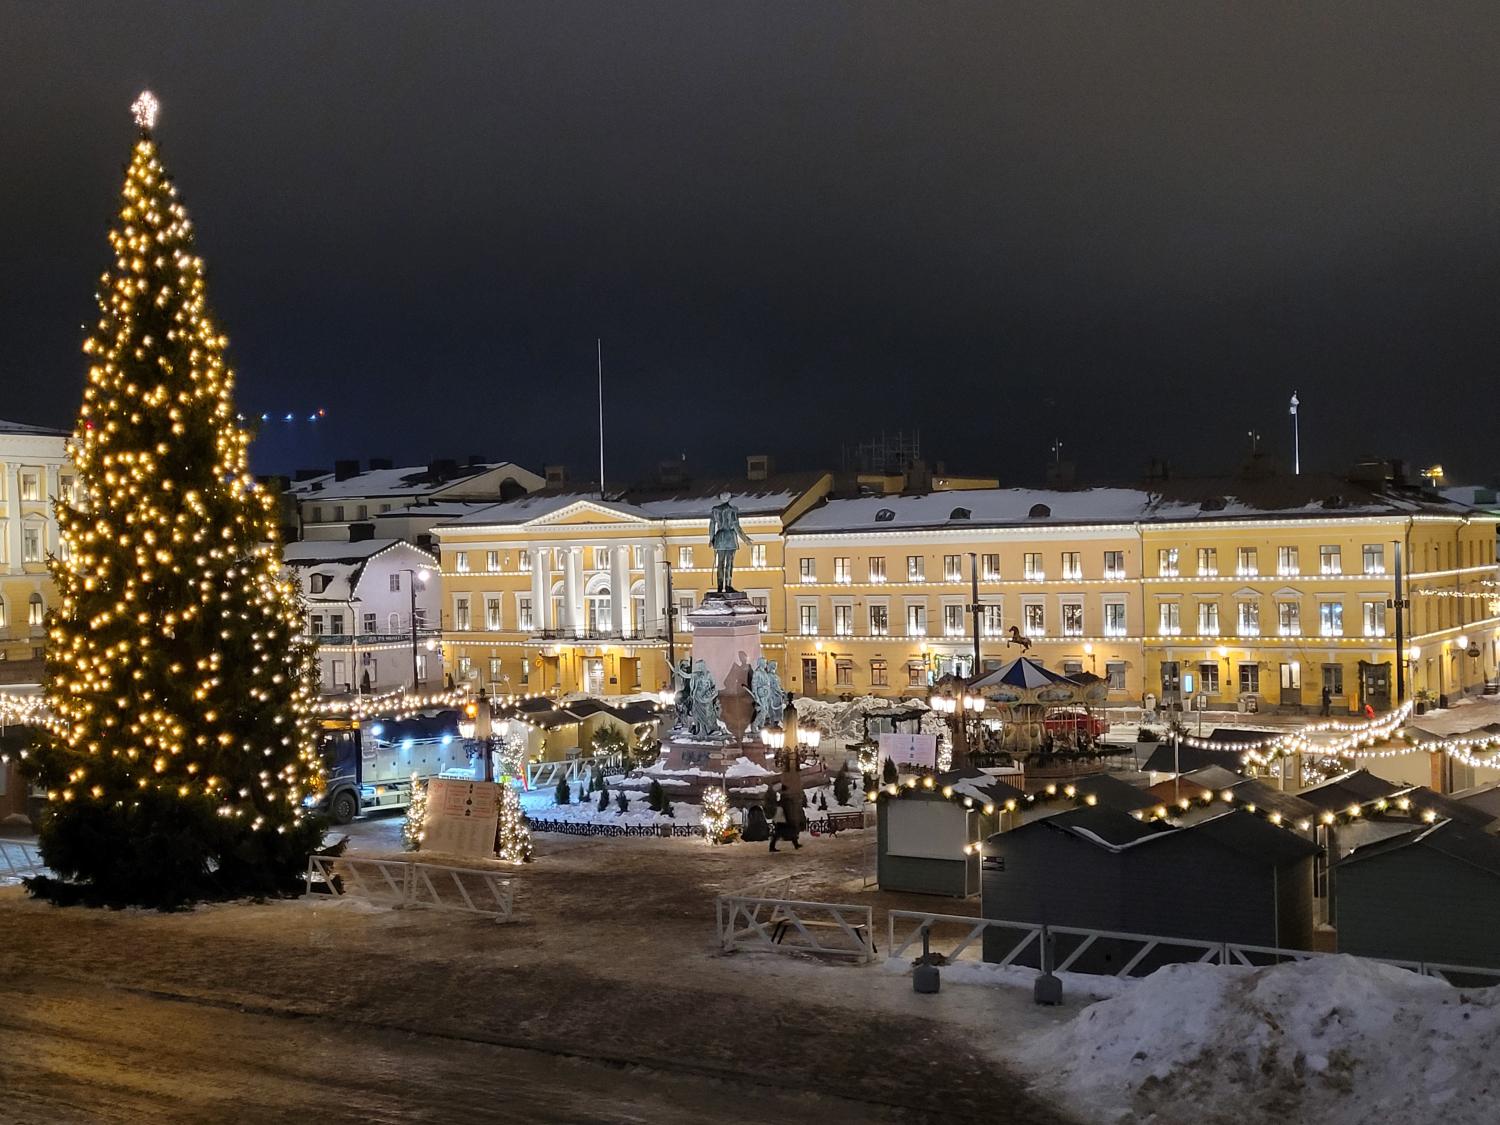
(178, 681)
(512, 834)
(414, 827)
(717, 825)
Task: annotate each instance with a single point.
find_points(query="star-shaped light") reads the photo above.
(145, 109)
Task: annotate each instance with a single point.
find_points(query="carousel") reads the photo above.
(1041, 710)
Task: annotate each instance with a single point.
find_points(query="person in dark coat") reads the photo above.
(756, 828)
(1327, 699)
(788, 820)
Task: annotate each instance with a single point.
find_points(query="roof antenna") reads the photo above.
(599, 360)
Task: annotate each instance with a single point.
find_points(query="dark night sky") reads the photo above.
(1139, 228)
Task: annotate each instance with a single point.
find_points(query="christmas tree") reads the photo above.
(176, 669)
(512, 836)
(414, 825)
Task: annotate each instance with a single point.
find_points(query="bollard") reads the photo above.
(925, 978)
(1048, 987)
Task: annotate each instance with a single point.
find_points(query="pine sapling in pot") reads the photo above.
(622, 802)
(564, 794)
(655, 798)
(889, 773)
(604, 799)
(841, 786)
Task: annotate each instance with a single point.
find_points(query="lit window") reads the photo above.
(1114, 619)
(461, 562)
(684, 558)
(524, 561)
(880, 622)
(1331, 618)
(843, 570)
(1031, 566)
(1249, 619)
(1072, 564)
(523, 614)
(757, 554)
(953, 568)
(1208, 619)
(31, 486)
(1249, 679)
(916, 621)
(1072, 619)
(989, 567)
(994, 623)
(1374, 558)
(1289, 619)
(31, 544)
(1114, 564)
(492, 561)
(1166, 562)
(843, 672)
(1374, 618)
(807, 619)
(1286, 561)
(461, 613)
(1114, 673)
(879, 675)
(877, 569)
(916, 568)
(36, 612)
(1330, 559)
(843, 620)
(492, 611)
(953, 620)
(1208, 561)
(1034, 618)
(807, 568)
(1169, 619)
(1247, 563)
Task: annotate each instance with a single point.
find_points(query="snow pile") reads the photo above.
(1330, 1039)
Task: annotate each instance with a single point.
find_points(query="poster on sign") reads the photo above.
(909, 750)
(461, 817)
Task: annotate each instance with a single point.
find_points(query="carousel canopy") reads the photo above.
(1021, 674)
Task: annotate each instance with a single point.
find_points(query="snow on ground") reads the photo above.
(1331, 1039)
(540, 804)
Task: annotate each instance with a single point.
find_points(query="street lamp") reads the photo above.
(960, 709)
(417, 575)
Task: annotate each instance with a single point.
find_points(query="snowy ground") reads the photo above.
(541, 804)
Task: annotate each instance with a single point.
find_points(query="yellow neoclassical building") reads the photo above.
(564, 591)
(34, 471)
(1252, 593)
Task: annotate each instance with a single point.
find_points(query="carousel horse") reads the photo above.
(1017, 639)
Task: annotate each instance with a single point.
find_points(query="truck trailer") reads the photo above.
(369, 764)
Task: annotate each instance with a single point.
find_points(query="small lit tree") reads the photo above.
(512, 834)
(414, 827)
(717, 824)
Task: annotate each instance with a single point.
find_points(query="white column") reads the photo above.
(619, 587)
(13, 517)
(573, 590)
(541, 589)
(49, 530)
(649, 568)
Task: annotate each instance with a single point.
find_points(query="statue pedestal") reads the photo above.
(726, 637)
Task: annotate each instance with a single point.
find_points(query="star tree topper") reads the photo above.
(144, 109)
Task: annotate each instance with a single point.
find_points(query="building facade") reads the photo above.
(564, 592)
(371, 613)
(1229, 594)
(34, 471)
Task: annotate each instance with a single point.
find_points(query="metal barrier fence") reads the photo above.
(18, 859)
(463, 890)
(834, 929)
(575, 771)
(1111, 952)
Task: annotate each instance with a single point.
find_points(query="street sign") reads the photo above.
(916, 749)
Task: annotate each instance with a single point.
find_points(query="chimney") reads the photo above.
(343, 470)
(759, 466)
(671, 474)
(917, 478)
(361, 532)
(1062, 473)
(556, 474)
(1158, 470)
(381, 463)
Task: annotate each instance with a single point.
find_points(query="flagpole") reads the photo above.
(1296, 439)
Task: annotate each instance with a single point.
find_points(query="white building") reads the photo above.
(360, 598)
(34, 471)
(328, 504)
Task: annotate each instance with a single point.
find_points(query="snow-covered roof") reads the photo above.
(1203, 499)
(342, 563)
(7, 427)
(643, 503)
(305, 552)
(408, 481)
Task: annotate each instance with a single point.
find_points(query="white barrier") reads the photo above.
(952, 934)
(18, 859)
(833, 929)
(395, 883)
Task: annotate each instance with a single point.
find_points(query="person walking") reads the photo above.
(1327, 700)
(787, 820)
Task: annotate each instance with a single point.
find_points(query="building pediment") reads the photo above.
(591, 512)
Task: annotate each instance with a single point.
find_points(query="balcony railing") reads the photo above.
(374, 638)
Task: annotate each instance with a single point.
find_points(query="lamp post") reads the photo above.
(955, 702)
(419, 574)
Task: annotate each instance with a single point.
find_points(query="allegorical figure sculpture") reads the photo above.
(703, 696)
(768, 694)
(682, 675)
(725, 535)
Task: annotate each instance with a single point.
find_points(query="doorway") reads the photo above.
(1291, 684)
(593, 675)
(1375, 685)
(810, 675)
